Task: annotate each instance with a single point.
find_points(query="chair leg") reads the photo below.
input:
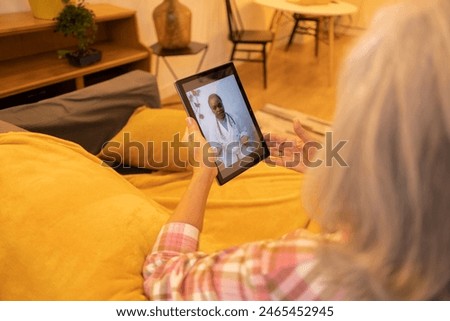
(316, 50)
(264, 66)
(233, 51)
(291, 37)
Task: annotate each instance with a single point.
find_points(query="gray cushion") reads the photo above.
(89, 116)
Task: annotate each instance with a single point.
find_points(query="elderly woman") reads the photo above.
(384, 217)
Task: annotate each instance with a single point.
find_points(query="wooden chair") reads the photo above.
(240, 36)
(305, 29)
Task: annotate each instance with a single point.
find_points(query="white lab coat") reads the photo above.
(228, 139)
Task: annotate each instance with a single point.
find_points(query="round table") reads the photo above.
(327, 11)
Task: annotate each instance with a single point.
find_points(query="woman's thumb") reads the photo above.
(191, 124)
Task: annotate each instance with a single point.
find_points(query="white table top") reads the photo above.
(334, 8)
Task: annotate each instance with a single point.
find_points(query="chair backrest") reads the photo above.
(235, 25)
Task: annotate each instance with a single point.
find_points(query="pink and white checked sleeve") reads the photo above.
(281, 269)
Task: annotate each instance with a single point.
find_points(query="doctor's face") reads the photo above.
(217, 107)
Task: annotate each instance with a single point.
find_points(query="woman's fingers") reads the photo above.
(202, 155)
(301, 132)
(289, 150)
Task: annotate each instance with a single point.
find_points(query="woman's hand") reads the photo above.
(292, 152)
(191, 208)
(202, 156)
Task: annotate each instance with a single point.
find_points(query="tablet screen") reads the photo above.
(216, 99)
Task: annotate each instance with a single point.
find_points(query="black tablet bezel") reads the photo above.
(185, 85)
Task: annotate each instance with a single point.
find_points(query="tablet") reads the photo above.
(216, 99)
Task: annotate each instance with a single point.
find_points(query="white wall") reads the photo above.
(208, 20)
(208, 25)
(367, 9)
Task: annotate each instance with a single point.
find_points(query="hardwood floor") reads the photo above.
(296, 78)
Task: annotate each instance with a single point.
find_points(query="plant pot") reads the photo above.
(81, 60)
(46, 9)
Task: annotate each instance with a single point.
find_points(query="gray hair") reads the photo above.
(393, 201)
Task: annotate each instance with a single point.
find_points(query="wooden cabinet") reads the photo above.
(28, 51)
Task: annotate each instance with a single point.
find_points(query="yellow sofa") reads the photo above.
(73, 228)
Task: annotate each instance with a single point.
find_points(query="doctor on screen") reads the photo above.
(230, 138)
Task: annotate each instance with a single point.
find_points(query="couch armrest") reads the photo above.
(89, 116)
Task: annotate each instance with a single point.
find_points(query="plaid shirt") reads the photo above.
(268, 270)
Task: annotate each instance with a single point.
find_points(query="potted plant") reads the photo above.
(75, 20)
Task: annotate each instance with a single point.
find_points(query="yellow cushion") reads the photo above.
(145, 141)
(70, 227)
(263, 202)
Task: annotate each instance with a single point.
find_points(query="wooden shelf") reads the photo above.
(24, 22)
(26, 73)
(28, 49)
